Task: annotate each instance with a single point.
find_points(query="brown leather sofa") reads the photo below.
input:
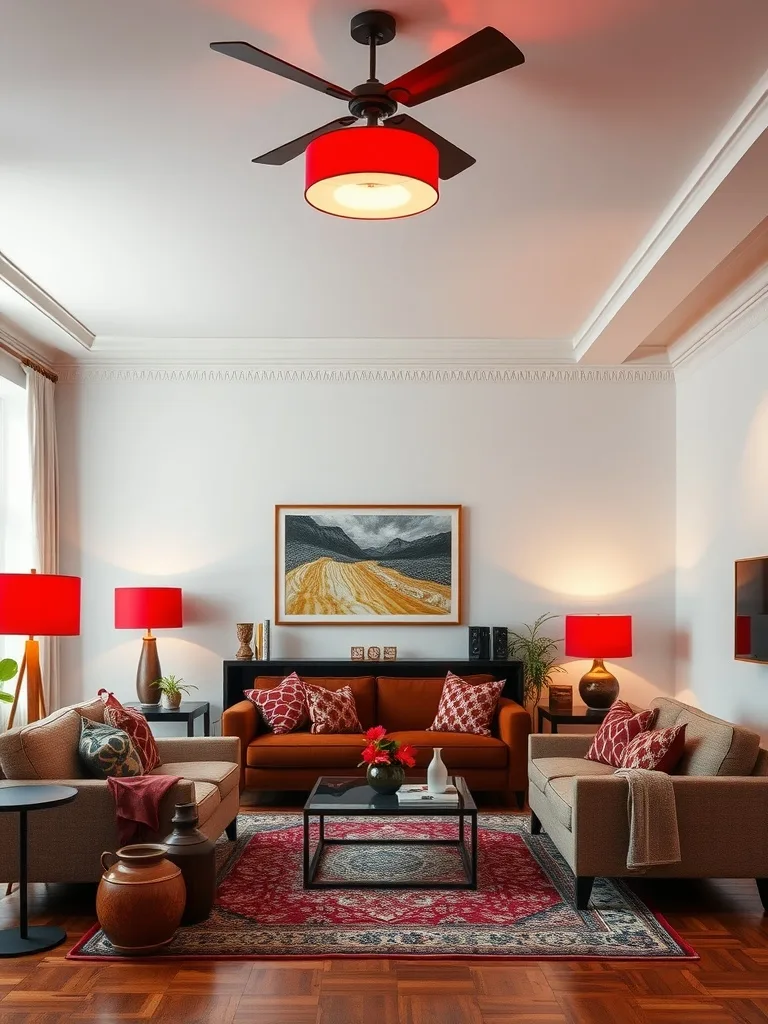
(405, 707)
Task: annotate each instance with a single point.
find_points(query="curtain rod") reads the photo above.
(26, 361)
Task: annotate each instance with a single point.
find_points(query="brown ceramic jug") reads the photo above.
(195, 855)
(140, 898)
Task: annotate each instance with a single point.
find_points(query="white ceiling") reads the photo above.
(127, 191)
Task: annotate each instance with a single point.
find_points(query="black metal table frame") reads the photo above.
(311, 861)
(200, 709)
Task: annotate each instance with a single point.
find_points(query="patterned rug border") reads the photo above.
(229, 855)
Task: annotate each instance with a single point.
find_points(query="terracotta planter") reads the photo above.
(195, 854)
(140, 899)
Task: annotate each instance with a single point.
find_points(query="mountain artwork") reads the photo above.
(395, 564)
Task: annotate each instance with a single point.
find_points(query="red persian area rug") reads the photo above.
(522, 908)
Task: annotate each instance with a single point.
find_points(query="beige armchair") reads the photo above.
(65, 843)
(721, 798)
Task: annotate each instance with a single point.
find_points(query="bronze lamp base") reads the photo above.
(598, 688)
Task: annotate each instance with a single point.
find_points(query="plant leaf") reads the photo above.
(8, 669)
(7, 698)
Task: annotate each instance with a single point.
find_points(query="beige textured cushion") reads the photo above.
(207, 799)
(48, 749)
(223, 774)
(712, 746)
(560, 795)
(543, 769)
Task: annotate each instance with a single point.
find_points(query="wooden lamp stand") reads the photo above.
(30, 666)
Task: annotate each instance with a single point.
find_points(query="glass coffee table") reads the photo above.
(353, 798)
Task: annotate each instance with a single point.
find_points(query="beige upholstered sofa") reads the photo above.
(721, 798)
(65, 843)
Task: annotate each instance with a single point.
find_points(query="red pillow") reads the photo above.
(135, 724)
(466, 707)
(619, 727)
(332, 710)
(283, 708)
(659, 750)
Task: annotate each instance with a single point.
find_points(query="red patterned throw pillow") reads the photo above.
(466, 707)
(135, 724)
(659, 750)
(332, 710)
(282, 709)
(619, 727)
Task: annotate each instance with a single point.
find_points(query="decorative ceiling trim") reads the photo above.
(79, 374)
(36, 296)
(744, 309)
(24, 353)
(742, 130)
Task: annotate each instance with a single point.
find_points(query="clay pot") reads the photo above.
(195, 855)
(170, 701)
(140, 898)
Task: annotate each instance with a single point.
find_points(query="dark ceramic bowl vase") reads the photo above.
(386, 779)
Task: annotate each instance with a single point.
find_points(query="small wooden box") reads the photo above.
(357, 653)
(560, 697)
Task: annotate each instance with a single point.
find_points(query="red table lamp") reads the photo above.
(37, 604)
(598, 637)
(148, 608)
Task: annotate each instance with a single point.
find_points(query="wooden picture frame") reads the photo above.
(362, 565)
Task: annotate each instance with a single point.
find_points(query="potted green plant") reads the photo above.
(171, 691)
(8, 669)
(538, 654)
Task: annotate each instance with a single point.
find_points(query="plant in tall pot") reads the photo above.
(538, 654)
(171, 691)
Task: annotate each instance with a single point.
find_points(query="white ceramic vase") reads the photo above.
(437, 773)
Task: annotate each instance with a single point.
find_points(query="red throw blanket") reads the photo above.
(137, 801)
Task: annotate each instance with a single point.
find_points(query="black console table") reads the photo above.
(239, 675)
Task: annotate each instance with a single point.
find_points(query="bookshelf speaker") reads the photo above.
(479, 643)
(500, 643)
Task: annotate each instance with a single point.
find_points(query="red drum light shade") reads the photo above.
(37, 604)
(148, 608)
(598, 637)
(371, 173)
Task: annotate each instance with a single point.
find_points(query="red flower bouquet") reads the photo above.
(386, 761)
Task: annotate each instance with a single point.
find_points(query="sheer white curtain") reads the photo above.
(44, 463)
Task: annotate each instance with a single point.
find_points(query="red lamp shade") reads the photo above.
(39, 604)
(371, 173)
(148, 607)
(598, 636)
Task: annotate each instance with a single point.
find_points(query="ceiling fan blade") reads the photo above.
(480, 56)
(452, 159)
(283, 154)
(262, 59)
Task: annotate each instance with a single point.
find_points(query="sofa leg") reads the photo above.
(583, 891)
(232, 830)
(520, 797)
(535, 825)
(762, 888)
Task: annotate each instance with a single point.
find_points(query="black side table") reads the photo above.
(579, 714)
(187, 712)
(22, 940)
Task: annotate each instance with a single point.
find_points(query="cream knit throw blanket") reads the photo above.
(653, 835)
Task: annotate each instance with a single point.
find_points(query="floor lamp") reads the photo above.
(37, 604)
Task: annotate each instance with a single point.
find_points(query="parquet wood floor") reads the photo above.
(723, 920)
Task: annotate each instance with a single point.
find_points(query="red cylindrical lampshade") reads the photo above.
(371, 173)
(39, 604)
(148, 607)
(598, 636)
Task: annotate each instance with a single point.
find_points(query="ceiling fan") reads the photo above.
(380, 173)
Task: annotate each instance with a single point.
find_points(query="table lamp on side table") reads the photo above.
(37, 604)
(148, 608)
(598, 637)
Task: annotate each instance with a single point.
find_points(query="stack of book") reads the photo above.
(415, 793)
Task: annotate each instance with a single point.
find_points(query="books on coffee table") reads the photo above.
(417, 793)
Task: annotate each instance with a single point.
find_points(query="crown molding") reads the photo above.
(36, 296)
(81, 374)
(735, 316)
(742, 130)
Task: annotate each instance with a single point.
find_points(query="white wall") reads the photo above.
(722, 515)
(568, 489)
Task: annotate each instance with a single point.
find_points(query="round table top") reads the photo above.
(32, 798)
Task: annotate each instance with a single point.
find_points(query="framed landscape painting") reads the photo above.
(368, 564)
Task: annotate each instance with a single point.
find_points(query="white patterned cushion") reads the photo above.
(619, 727)
(332, 710)
(466, 707)
(283, 709)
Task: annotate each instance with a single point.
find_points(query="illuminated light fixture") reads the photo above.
(374, 173)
